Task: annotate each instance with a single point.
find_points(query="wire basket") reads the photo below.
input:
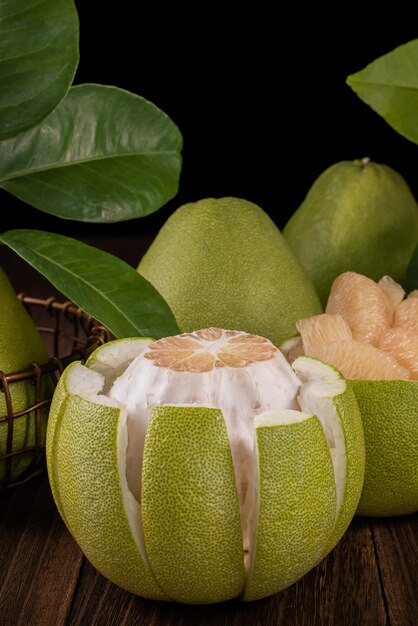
(69, 335)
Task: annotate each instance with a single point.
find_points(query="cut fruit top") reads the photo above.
(203, 350)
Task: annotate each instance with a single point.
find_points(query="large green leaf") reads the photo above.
(101, 284)
(412, 274)
(103, 155)
(38, 59)
(389, 86)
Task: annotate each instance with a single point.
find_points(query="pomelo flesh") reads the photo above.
(201, 429)
(223, 262)
(385, 379)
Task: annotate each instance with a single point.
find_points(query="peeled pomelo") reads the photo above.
(202, 467)
(365, 307)
(319, 330)
(223, 262)
(20, 346)
(384, 376)
(359, 216)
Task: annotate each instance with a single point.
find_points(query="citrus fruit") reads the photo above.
(383, 366)
(358, 216)
(20, 346)
(202, 467)
(223, 262)
(364, 305)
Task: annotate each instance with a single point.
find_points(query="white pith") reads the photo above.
(240, 393)
(90, 385)
(260, 394)
(320, 384)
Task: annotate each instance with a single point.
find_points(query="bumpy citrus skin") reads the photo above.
(223, 262)
(183, 538)
(83, 471)
(358, 216)
(195, 550)
(20, 346)
(389, 411)
(294, 467)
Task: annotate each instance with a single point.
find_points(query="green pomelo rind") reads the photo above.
(389, 411)
(297, 503)
(20, 346)
(57, 406)
(356, 216)
(112, 358)
(346, 413)
(223, 262)
(349, 414)
(190, 505)
(82, 448)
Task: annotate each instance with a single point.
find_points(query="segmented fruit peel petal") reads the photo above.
(84, 454)
(297, 503)
(190, 506)
(331, 396)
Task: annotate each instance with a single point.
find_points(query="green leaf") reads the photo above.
(389, 86)
(103, 155)
(411, 282)
(38, 60)
(101, 284)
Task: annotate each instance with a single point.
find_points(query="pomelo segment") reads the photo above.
(402, 344)
(356, 359)
(406, 315)
(362, 303)
(318, 330)
(390, 416)
(190, 505)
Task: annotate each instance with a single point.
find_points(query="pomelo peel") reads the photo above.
(240, 492)
(20, 346)
(223, 262)
(383, 367)
(357, 216)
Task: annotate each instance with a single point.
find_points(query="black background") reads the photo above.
(258, 93)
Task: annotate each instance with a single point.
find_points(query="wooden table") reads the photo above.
(370, 578)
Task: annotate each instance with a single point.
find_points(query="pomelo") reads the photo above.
(359, 216)
(202, 467)
(20, 346)
(382, 364)
(223, 262)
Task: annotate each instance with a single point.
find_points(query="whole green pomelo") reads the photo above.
(20, 346)
(358, 216)
(223, 262)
